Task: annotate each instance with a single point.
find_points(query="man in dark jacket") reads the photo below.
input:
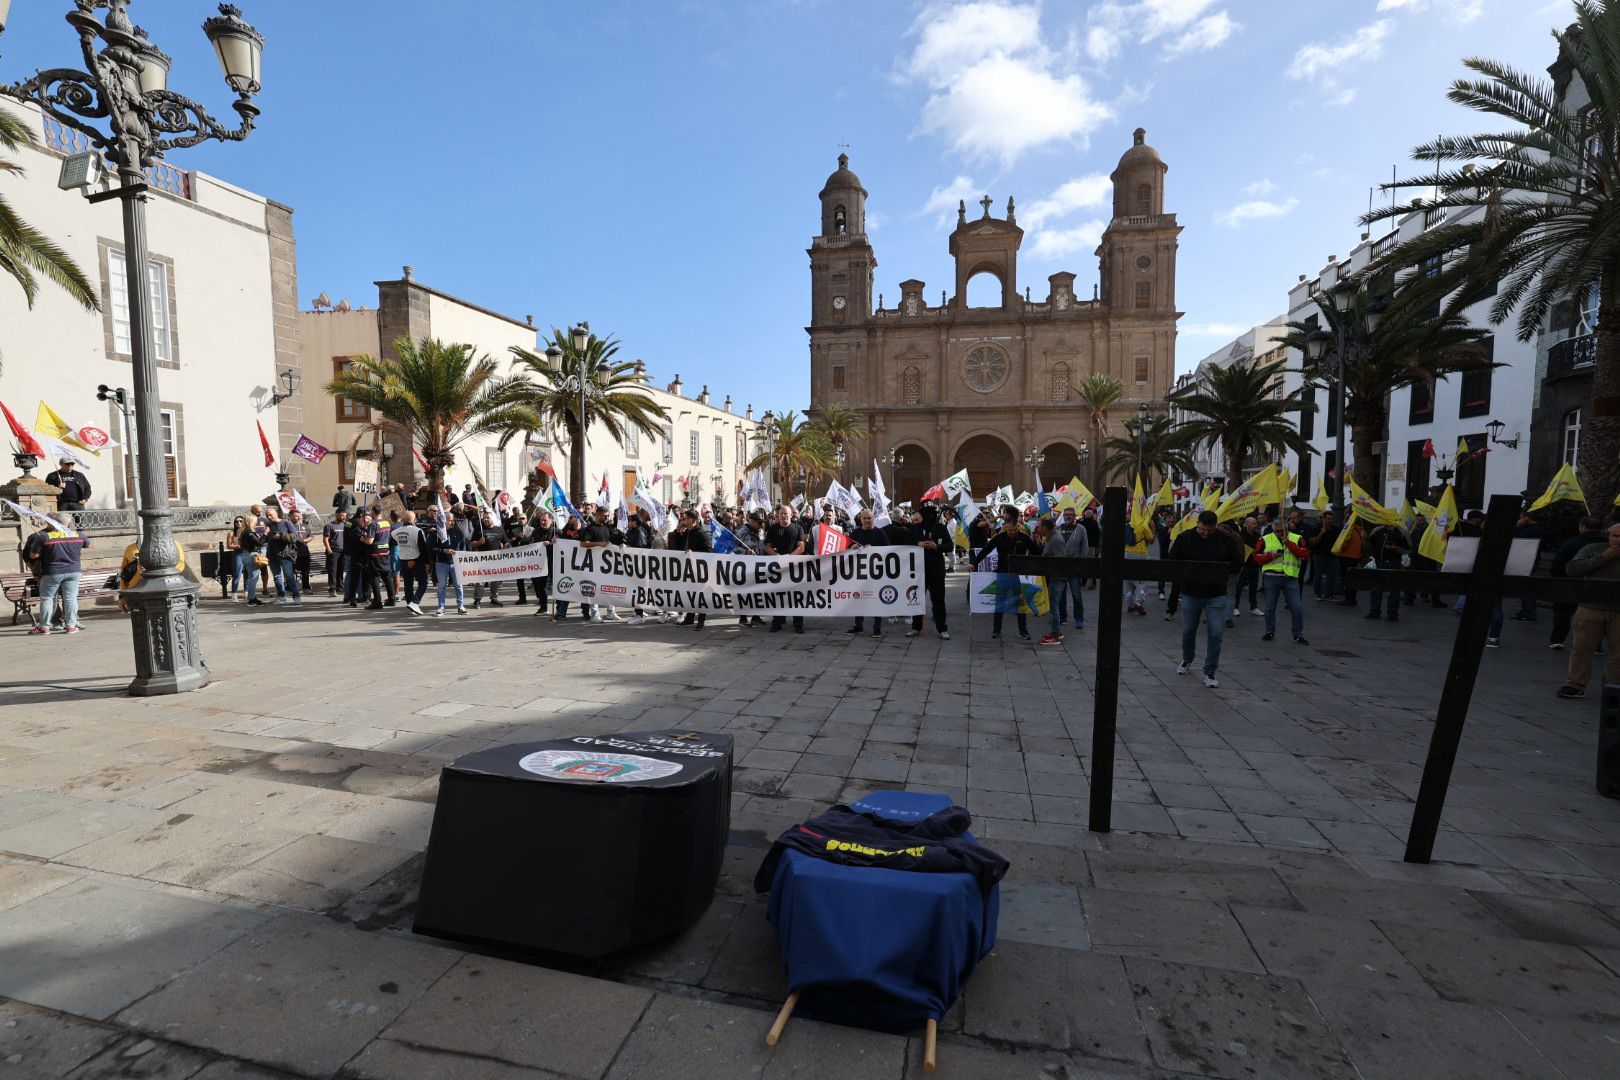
(1324, 564)
(1010, 541)
(55, 556)
(1387, 544)
(927, 533)
(1206, 542)
(74, 484)
(785, 537)
(1591, 533)
(696, 539)
(867, 534)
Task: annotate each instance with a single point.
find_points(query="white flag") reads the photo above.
(656, 512)
(956, 485)
(880, 497)
(303, 506)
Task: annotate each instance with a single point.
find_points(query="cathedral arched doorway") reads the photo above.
(914, 473)
(989, 464)
(1062, 464)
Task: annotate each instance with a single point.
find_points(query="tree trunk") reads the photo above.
(1600, 434)
(1362, 437)
(576, 463)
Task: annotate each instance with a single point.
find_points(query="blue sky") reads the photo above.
(653, 167)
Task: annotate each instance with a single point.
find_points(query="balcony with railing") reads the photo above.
(160, 175)
(1572, 356)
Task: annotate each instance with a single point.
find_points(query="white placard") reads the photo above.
(1461, 551)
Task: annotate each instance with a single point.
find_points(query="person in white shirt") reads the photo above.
(410, 546)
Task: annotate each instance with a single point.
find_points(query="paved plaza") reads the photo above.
(221, 884)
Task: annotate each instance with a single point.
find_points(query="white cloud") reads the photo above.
(1319, 62)
(1189, 25)
(1457, 11)
(875, 221)
(942, 201)
(1255, 210)
(1205, 34)
(1060, 243)
(1220, 330)
(1261, 187)
(1086, 191)
(995, 89)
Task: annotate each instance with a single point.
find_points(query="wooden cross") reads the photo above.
(1110, 570)
(1484, 586)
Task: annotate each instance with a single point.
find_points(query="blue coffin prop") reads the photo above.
(874, 947)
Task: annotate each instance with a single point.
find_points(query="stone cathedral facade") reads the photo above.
(951, 386)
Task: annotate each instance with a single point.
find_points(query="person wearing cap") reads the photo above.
(74, 484)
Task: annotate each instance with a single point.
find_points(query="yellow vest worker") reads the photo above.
(1281, 556)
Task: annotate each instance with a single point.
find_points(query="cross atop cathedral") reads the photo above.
(985, 202)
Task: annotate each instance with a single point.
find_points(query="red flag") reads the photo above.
(26, 443)
(830, 540)
(264, 441)
(420, 460)
(935, 492)
(543, 463)
(1428, 448)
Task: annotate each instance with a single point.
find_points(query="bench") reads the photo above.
(22, 590)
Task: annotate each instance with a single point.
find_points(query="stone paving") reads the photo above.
(221, 884)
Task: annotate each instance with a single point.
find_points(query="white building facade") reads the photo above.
(1461, 406)
(224, 279)
(1261, 345)
(700, 453)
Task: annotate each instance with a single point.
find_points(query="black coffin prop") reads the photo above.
(583, 846)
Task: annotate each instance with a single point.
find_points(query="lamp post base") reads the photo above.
(163, 615)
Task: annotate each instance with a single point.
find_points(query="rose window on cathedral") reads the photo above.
(985, 369)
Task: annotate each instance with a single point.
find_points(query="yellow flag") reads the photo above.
(1344, 534)
(1285, 488)
(1368, 509)
(1564, 485)
(1252, 494)
(1441, 524)
(49, 422)
(1461, 452)
(1210, 498)
(1407, 515)
(1165, 496)
(1075, 494)
(1140, 520)
(1188, 520)
(1426, 509)
(1321, 499)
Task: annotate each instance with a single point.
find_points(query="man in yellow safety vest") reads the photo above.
(1279, 554)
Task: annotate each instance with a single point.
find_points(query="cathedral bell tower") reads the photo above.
(1138, 249)
(841, 259)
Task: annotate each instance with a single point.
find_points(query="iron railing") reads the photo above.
(125, 520)
(1572, 356)
(159, 174)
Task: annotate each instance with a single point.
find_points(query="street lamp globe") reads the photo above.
(554, 357)
(1374, 314)
(155, 64)
(240, 49)
(1343, 295)
(580, 335)
(5, 9)
(1316, 344)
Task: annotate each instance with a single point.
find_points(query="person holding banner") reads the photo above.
(696, 539)
(785, 538)
(445, 542)
(927, 533)
(1010, 541)
(541, 533)
(867, 535)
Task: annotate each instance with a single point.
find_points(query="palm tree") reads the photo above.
(439, 395)
(840, 425)
(1548, 188)
(1411, 347)
(1099, 393)
(792, 447)
(616, 397)
(26, 252)
(1167, 450)
(1237, 408)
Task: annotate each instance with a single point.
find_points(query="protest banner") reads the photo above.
(506, 564)
(990, 592)
(310, 450)
(870, 581)
(365, 476)
(391, 506)
(288, 503)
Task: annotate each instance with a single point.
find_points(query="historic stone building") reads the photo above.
(952, 386)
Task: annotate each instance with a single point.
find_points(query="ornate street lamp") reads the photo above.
(895, 459)
(127, 83)
(769, 427)
(1139, 431)
(1342, 298)
(1495, 428)
(579, 382)
(1033, 461)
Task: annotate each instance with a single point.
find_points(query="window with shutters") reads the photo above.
(1307, 415)
(345, 461)
(669, 443)
(173, 439)
(1144, 198)
(1142, 365)
(1572, 438)
(1420, 407)
(494, 469)
(694, 447)
(1417, 469)
(1144, 294)
(719, 450)
(1476, 386)
(838, 377)
(1470, 481)
(349, 411)
(1057, 389)
(632, 441)
(115, 307)
(911, 387)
